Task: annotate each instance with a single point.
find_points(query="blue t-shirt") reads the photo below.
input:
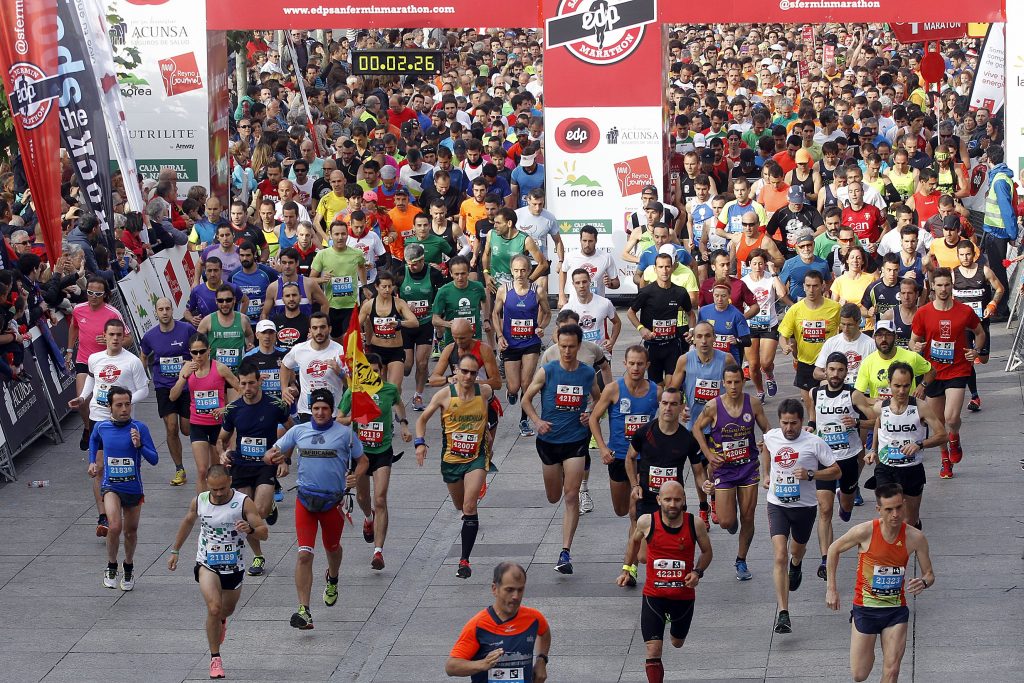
(166, 352)
(729, 326)
(255, 428)
(203, 300)
(121, 459)
(254, 285)
(323, 454)
(628, 414)
(563, 400)
(651, 253)
(527, 181)
(794, 270)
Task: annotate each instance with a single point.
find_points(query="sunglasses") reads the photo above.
(464, 371)
(198, 352)
(27, 242)
(750, 225)
(225, 301)
(90, 292)
(244, 127)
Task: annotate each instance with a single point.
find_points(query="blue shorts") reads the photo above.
(871, 621)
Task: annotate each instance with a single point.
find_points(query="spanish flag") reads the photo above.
(363, 381)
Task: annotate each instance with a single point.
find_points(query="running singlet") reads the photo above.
(743, 252)
(122, 461)
(563, 400)
(269, 365)
(519, 318)
(881, 570)
(419, 293)
(670, 555)
(220, 544)
(207, 396)
(829, 410)
(253, 285)
(897, 431)
(629, 414)
(291, 331)
(974, 291)
(463, 426)
(764, 294)
(305, 307)
(387, 326)
(502, 251)
(733, 437)
(703, 381)
(227, 343)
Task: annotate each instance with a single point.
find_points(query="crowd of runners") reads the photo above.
(829, 214)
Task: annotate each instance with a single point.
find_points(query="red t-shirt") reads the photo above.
(787, 162)
(396, 119)
(268, 190)
(945, 338)
(866, 223)
(926, 206)
(739, 294)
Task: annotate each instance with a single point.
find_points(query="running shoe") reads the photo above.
(631, 579)
(83, 443)
(464, 571)
(761, 397)
(707, 521)
(102, 527)
(593, 443)
(378, 561)
(216, 667)
(714, 512)
(956, 452)
(435, 349)
(858, 500)
(796, 576)
(526, 429)
(845, 515)
(746, 371)
(946, 471)
(783, 624)
(772, 386)
(586, 502)
(330, 592)
(511, 398)
(368, 529)
(127, 581)
(823, 570)
(278, 493)
(303, 619)
(975, 404)
(179, 477)
(257, 566)
(564, 564)
(417, 403)
(110, 577)
(272, 517)
(742, 573)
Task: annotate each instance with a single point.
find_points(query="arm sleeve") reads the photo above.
(90, 384)
(289, 361)
(140, 390)
(148, 447)
(95, 444)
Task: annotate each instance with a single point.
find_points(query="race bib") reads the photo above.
(372, 433)
(252, 448)
(787, 488)
(341, 286)
(723, 342)
(736, 452)
(523, 328)
(635, 422)
(657, 476)
(706, 390)
(887, 580)
(506, 675)
(465, 444)
(975, 294)
(472, 323)
(385, 328)
(121, 469)
(885, 393)
(865, 242)
(170, 366)
(254, 308)
(892, 454)
(221, 556)
(942, 352)
(762, 319)
(568, 397)
(229, 357)
(206, 401)
(814, 331)
(593, 335)
(744, 270)
(664, 328)
(271, 381)
(103, 394)
(420, 307)
(669, 573)
(836, 436)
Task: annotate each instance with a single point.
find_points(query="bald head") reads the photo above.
(671, 487)
(462, 327)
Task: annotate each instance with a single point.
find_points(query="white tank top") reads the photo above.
(220, 545)
(829, 412)
(897, 430)
(764, 292)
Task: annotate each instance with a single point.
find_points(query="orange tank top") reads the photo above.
(743, 252)
(882, 569)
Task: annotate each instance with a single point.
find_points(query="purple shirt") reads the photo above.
(203, 300)
(166, 352)
(229, 262)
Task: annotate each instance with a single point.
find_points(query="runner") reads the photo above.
(377, 445)
(310, 293)
(122, 443)
(228, 519)
(904, 427)
(291, 323)
(793, 458)
(113, 367)
(978, 287)
(229, 331)
(764, 327)
(253, 419)
(732, 334)
(466, 447)
(418, 289)
(503, 242)
(253, 279)
(661, 306)
(600, 267)
(343, 270)
(520, 316)
(461, 299)
(939, 333)
(326, 451)
(671, 575)
(804, 330)
(596, 313)
(562, 430)
(902, 316)
(386, 320)
(724, 429)
(206, 382)
(540, 224)
(842, 417)
(315, 362)
(266, 355)
(879, 600)
(873, 376)
(498, 643)
(164, 351)
(853, 344)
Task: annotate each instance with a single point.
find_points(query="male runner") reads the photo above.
(377, 439)
(563, 430)
(978, 287)
(904, 427)
(326, 450)
(253, 279)
(229, 332)
(596, 313)
(804, 330)
(228, 518)
(343, 271)
(884, 546)
(672, 574)
(292, 323)
(418, 288)
(724, 429)
(850, 341)
(600, 266)
(316, 363)
(266, 356)
(121, 442)
(503, 242)
(253, 419)
(661, 306)
(873, 375)
(164, 350)
(466, 447)
(311, 295)
(793, 458)
(461, 299)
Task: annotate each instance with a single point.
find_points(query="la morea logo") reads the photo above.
(577, 135)
(180, 74)
(574, 183)
(600, 31)
(633, 175)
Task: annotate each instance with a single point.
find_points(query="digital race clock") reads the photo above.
(396, 62)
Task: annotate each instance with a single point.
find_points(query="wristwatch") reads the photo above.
(699, 572)
(810, 475)
(403, 421)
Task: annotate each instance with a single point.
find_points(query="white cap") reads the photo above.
(526, 160)
(265, 325)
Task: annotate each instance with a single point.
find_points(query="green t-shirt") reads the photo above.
(502, 251)
(343, 287)
(452, 303)
(419, 293)
(376, 435)
(434, 247)
(873, 375)
(823, 245)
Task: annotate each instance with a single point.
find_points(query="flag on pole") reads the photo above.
(305, 103)
(363, 381)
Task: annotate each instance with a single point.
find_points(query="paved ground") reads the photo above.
(57, 621)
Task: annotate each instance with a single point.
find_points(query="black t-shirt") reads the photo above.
(321, 186)
(881, 297)
(291, 331)
(662, 456)
(452, 200)
(270, 368)
(661, 307)
(255, 428)
(785, 224)
(251, 233)
(349, 170)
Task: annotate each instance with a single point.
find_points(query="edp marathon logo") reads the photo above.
(32, 93)
(577, 135)
(600, 31)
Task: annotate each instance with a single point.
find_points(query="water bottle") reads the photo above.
(39, 484)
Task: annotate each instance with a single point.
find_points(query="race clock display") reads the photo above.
(396, 62)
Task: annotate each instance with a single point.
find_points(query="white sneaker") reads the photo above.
(127, 584)
(110, 578)
(586, 502)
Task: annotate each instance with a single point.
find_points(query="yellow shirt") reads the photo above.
(946, 256)
(330, 206)
(810, 327)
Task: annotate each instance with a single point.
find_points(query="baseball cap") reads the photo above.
(388, 172)
(459, 146)
(803, 236)
(708, 155)
(402, 191)
(885, 326)
(951, 222)
(407, 127)
(796, 195)
(369, 196)
(804, 157)
(266, 325)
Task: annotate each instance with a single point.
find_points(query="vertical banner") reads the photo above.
(81, 121)
(604, 142)
(25, 414)
(60, 387)
(305, 102)
(1014, 118)
(28, 60)
(220, 113)
(166, 99)
(989, 88)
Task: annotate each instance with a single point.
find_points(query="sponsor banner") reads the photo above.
(28, 60)
(831, 11)
(1014, 134)
(597, 166)
(175, 269)
(25, 414)
(82, 128)
(989, 89)
(920, 31)
(140, 291)
(226, 15)
(60, 387)
(187, 170)
(166, 98)
(220, 113)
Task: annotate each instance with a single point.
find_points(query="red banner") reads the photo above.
(28, 60)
